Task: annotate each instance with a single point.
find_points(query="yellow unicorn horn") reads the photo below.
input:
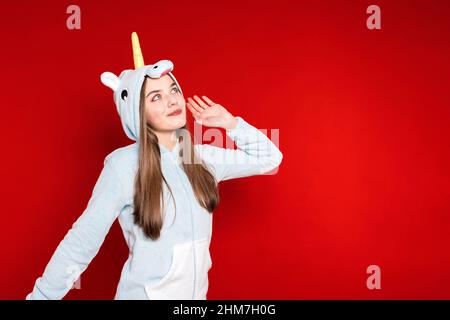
(137, 53)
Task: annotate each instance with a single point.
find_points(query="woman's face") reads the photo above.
(165, 107)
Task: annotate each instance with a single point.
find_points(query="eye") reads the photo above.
(124, 95)
(175, 89)
(156, 96)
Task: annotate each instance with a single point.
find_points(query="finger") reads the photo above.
(208, 100)
(201, 103)
(195, 105)
(196, 116)
(194, 112)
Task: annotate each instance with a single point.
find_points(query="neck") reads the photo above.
(167, 139)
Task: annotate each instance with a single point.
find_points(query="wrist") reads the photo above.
(232, 124)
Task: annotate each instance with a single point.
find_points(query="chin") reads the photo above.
(178, 123)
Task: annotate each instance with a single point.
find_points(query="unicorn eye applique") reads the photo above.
(124, 95)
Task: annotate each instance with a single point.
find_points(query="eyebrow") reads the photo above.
(154, 91)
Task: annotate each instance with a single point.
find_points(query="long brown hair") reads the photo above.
(148, 194)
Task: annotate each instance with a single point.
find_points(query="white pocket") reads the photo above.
(178, 283)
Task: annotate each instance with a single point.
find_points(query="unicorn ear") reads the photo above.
(110, 80)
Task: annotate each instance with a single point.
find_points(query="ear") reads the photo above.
(110, 80)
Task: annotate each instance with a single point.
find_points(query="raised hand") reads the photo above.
(210, 114)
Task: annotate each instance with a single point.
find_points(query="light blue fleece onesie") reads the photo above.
(176, 265)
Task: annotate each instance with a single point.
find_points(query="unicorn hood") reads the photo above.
(127, 87)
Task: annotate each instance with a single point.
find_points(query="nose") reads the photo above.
(171, 100)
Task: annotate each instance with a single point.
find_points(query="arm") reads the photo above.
(83, 240)
(256, 153)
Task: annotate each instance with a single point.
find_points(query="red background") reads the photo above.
(364, 128)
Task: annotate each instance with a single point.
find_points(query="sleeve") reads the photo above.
(82, 242)
(256, 154)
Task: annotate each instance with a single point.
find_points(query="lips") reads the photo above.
(175, 112)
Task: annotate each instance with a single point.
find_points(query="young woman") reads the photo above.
(162, 188)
